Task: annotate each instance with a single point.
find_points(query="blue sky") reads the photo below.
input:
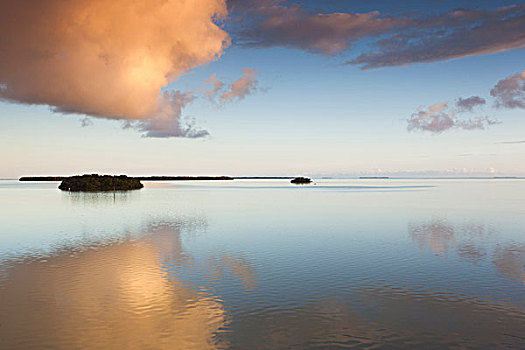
(309, 114)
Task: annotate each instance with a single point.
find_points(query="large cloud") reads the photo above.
(108, 59)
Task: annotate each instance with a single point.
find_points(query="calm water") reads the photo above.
(264, 265)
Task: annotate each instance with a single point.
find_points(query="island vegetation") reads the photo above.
(301, 180)
(99, 183)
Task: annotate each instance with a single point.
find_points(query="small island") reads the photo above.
(99, 183)
(301, 180)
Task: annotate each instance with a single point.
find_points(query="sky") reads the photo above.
(266, 87)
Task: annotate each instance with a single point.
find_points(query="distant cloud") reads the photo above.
(237, 90)
(468, 104)
(510, 92)
(507, 93)
(476, 154)
(510, 142)
(439, 118)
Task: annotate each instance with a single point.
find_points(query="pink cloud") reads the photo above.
(242, 87)
(237, 90)
(216, 86)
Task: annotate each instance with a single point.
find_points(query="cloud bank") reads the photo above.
(456, 34)
(108, 59)
(281, 23)
(396, 40)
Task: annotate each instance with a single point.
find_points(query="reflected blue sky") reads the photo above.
(296, 266)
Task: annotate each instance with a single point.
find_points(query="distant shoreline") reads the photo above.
(141, 178)
(229, 178)
(167, 178)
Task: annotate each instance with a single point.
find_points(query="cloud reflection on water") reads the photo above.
(437, 235)
(109, 295)
(440, 236)
(132, 291)
(510, 261)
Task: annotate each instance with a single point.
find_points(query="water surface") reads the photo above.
(264, 264)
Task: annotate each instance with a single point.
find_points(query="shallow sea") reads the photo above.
(253, 264)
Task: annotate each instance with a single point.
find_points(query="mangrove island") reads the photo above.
(301, 180)
(99, 183)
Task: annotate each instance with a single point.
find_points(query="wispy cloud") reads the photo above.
(216, 86)
(510, 142)
(237, 90)
(242, 87)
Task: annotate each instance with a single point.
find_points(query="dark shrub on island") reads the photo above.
(301, 180)
(97, 183)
